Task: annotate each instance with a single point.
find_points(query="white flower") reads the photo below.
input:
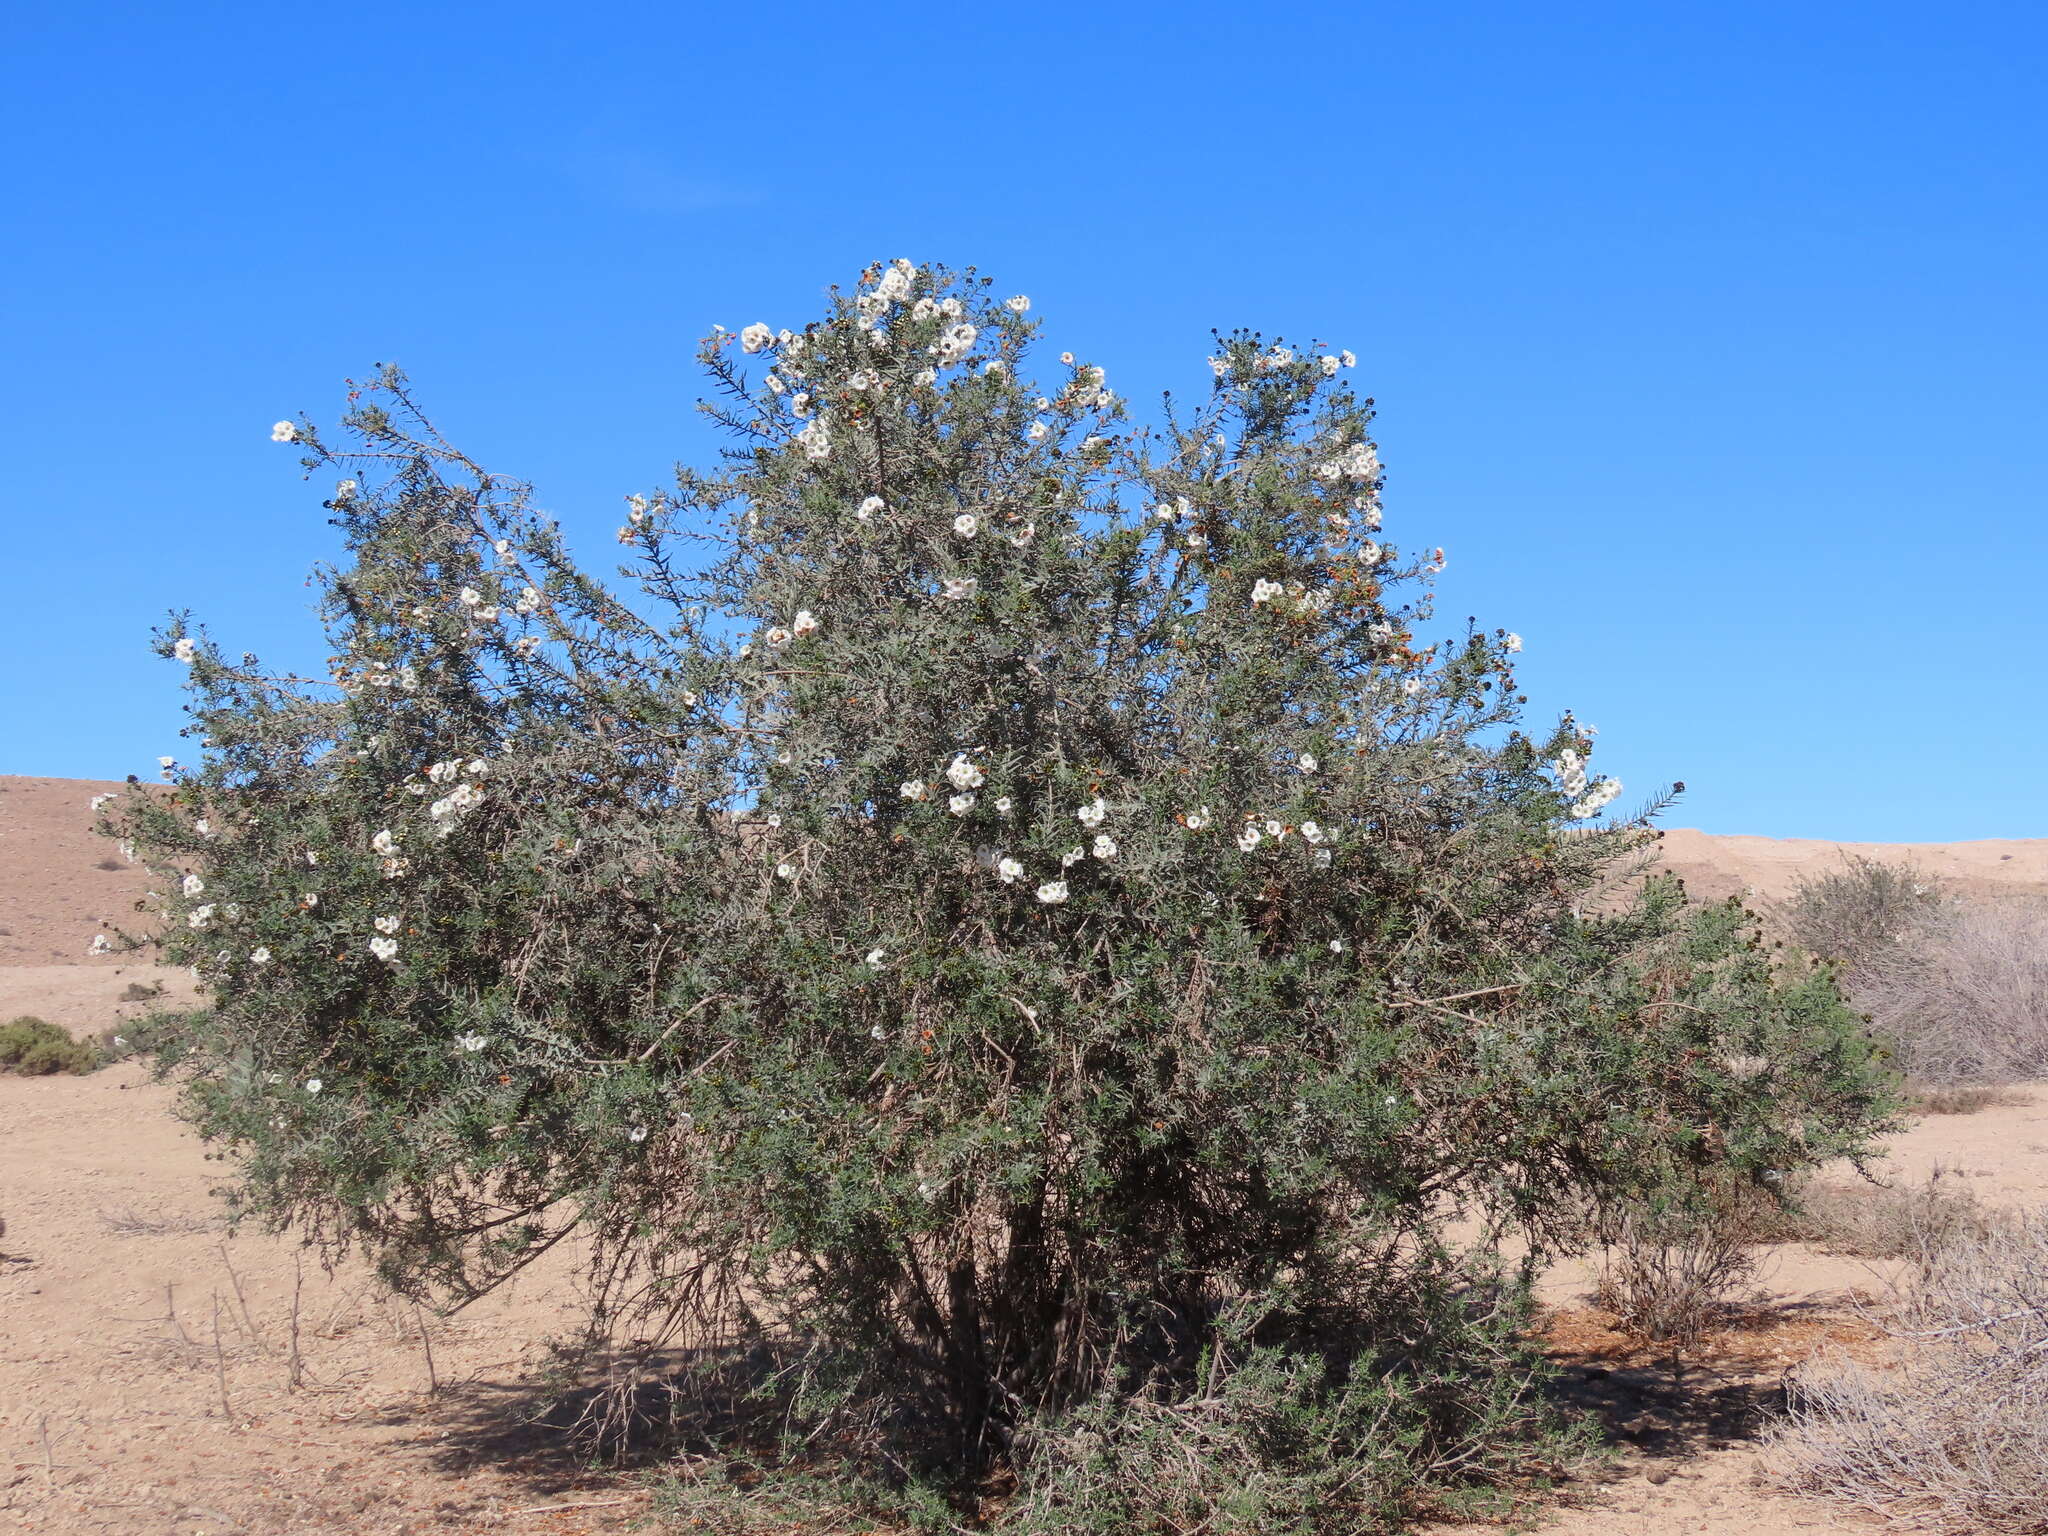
(777, 636)
(961, 804)
(1306, 762)
(1330, 366)
(1036, 431)
(310, 900)
(1009, 869)
(870, 507)
(1336, 946)
(384, 843)
(1348, 358)
(1511, 642)
(192, 885)
(962, 773)
(1312, 831)
(1067, 358)
(386, 924)
(800, 404)
(805, 623)
(959, 588)
(314, 1085)
(638, 1133)
(877, 959)
(775, 385)
(1196, 820)
(1003, 805)
(100, 800)
(966, 525)
(472, 1043)
(101, 945)
(283, 432)
(1105, 846)
(785, 870)
(1017, 305)
(1411, 686)
(529, 600)
(956, 343)
(1219, 365)
(1072, 857)
(895, 284)
(1091, 814)
(167, 763)
(1023, 535)
(232, 911)
(260, 955)
(755, 337)
(476, 767)
(1264, 591)
(1249, 839)
(200, 917)
(312, 859)
(384, 949)
(186, 650)
(393, 868)
(1276, 830)
(950, 307)
(1596, 799)
(1053, 892)
(445, 773)
(470, 597)
(911, 789)
(1571, 772)
(816, 441)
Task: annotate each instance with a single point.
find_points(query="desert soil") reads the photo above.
(158, 1375)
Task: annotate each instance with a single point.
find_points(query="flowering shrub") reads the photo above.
(1011, 925)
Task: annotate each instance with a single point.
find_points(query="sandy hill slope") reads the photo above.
(59, 881)
(1719, 865)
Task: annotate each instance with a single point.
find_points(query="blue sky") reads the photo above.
(1709, 340)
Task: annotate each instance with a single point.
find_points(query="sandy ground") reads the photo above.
(148, 1381)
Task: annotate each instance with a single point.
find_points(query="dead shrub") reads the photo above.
(1852, 914)
(1954, 1433)
(1966, 999)
(1670, 1275)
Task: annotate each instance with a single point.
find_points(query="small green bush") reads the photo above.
(37, 1048)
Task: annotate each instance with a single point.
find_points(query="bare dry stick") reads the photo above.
(549, 1509)
(220, 1363)
(171, 1314)
(433, 1377)
(49, 1461)
(295, 1368)
(248, 1322)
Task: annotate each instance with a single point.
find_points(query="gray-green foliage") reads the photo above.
(1013, 913)
(35, 1047)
